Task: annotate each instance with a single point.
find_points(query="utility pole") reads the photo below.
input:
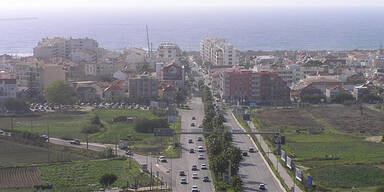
(48, 140)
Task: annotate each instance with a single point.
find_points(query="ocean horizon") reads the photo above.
(247, 29)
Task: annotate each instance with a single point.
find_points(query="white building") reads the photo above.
(290, 73)
(8, 89)
(60, 47)
(167, 52)
(219, 52)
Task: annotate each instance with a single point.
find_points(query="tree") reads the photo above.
(380, 189)
(145, 125)
(342, 97)
(179, 97)
(16, 105)
(60, 92)
(107, 179)
(236, 183)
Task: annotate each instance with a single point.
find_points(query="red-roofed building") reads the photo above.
(115, 91)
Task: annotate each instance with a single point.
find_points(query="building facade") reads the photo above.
(219, 52)
(143, 86)
(168, 52)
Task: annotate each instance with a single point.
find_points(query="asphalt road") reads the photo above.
(253, 169)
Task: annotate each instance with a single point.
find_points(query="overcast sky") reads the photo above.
(4, 4)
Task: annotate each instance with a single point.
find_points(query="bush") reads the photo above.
(107, 179)
(148, 125)
(90, 129)
(16, 105)
(380, 189)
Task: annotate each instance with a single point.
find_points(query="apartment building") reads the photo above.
(8, 89)
(219, 52)
(245, 86)
(61, 47)
(167, 52)
(143, 86)
(289, 73)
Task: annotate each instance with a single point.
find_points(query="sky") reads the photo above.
(7, 4)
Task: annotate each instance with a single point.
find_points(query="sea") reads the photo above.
(246, 28)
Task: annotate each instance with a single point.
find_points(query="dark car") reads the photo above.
(245, 154)
(192, 124)
(262, 187)
(199, 139)
(191, 151)
(190, 141)
(182, 173)
(194, 167)
(251, 150)
(205, 179)
(193, 118)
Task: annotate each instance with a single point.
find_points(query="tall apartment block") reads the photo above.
(219, 52)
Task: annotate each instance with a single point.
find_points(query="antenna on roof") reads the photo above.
(149, 48)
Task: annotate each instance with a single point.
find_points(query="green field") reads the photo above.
(68, 126)
(331, 143)
(84, 176)
(14, 154)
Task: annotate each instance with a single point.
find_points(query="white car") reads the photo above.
(195, 176)
(203, 166)
(195, 189)
(200, 149)
(162, 159)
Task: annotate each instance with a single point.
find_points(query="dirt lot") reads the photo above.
(341, 118)
(350, 120)
(287, 117)
(20, 177)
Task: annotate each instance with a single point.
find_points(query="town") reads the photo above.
(78, 117)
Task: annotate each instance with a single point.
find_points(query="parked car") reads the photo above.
(181, 173)
(192, 124)
(193, 118)
(251, 150)
(194, 167)
(245, 154)
(201, 157)
(130, 153)
(75, 142)
(199, 139)
(203, 166)
(200, 149)
(190, 141)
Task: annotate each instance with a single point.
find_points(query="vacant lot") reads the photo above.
(68, 126)
(14, 154)
(84, 176)
(330, 142)
(19, 177)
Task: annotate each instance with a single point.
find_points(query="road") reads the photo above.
(162, 170)
(253, 169)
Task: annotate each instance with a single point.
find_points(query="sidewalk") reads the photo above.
(276, 163)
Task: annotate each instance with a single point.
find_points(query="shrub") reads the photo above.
(90, 129)
(148, 125)
(107, 179)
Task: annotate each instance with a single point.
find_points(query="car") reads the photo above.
(251, 150)
(130, 153)
(45, 137)
(190, 141)
(191, 151)
(262, 186)
(200, 126)
(201, 157)
(195, 176)
(195, 189)
(181, 173)
(199, 139)
(200, 149)
(183, 180)
(192, 124)
(206, 179)
(203, 166)
(193, 118)
(245, 154)
(162, 159)
(194, 167)
(75, 142)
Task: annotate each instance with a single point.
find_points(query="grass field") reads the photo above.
(330, 143)
(14, 154)
(84, 176)
(69, 126)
